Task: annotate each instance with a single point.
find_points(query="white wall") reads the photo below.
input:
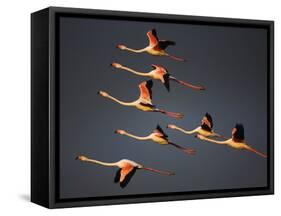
(15, 105)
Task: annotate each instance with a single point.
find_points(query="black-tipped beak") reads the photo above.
(77, 158)
(98, 92)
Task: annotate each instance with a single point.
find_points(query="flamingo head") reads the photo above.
(121, 132)
(81, 158)
(171, 126)
(116, 65)
(121, 46)
(103, 94)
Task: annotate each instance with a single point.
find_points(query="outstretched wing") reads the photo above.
(167, 81)
(207, 122)
(238, 133)
(117, 176)
(145, 90)
(160, 131)
(126, 175)
(152, 37)
(163, 44)
(161, 71)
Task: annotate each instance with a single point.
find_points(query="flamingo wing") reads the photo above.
(163, 44)
(152, 37)
(238, 133)
(167, 81)
(154, 66)
(207, 122)
(160, 131)
(145, 90)
(117, 176)
(126, 174)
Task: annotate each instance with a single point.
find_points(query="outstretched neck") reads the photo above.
(135, 72)
(186, 131)
(136, 50)
(137, 137)
(217, 141)
(100, 162)
(120, 102)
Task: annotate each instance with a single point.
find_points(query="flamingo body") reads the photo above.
(127, 169)
(206, 128)
(237, 141)
(156, 47)
(157, 136)
(158, 73)
(144, 102)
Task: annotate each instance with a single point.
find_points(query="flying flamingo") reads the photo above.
(158, 73)
(205, 129)
(237, 141)
(127, 169)
(159, 137)
(156, 47)
(144, 102)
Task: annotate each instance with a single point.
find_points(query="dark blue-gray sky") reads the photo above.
(231, 62)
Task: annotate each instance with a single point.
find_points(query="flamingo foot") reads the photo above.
(189, 151)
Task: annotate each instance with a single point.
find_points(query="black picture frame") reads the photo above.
(44, 107)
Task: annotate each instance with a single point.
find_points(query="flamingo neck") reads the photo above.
(186, 131)
(137, 137)
(217, 141)
(120, 102)
(100, 162)
(135, 72)
(136, 50)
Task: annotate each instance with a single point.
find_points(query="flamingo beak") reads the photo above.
(118, 131)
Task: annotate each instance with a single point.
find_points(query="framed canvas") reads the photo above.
(140, 107)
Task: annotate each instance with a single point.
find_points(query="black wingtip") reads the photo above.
(149, 82)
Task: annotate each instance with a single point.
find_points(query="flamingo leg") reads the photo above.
(170, 114)
(187, 84)
(158, 171)
(257, 152)
(189, 151)
(176, 58)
